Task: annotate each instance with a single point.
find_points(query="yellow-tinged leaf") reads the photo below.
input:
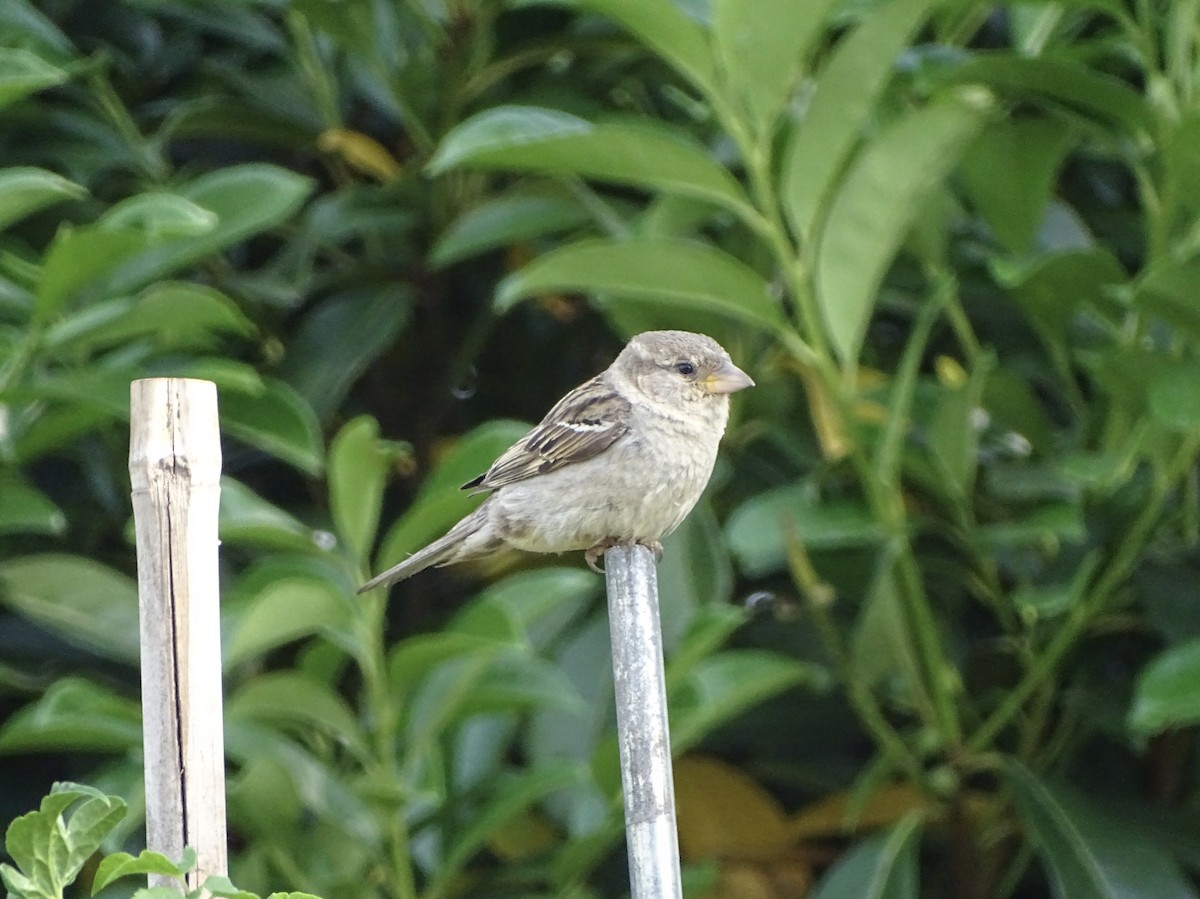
(361, 152)
(949, 372)
(832, 816)
(725, 814)
(826, 419)
(524, 836)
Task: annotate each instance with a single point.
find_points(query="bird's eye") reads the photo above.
(685, 368)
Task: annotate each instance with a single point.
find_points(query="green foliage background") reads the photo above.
(934, 629)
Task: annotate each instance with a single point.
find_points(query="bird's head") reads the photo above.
(681, 367)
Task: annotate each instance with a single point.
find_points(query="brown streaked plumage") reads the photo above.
(622, 458)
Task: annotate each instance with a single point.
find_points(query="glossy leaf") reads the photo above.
(729, 683)
(23, 73)
(1089, 853)
(642, 153)
(1009, 173)
(245, 199)
(247, 518)
(506, 220)
(274, 419)
(761, 46)
(1174, 399)
(340, 338)
(1167, 692)
(881, 867)
(512, 794)
(1066, 82)
(26, 510)
(287, 609)
(80, 258)
(160, 214)
(672, 272)
(25, 190)
(662, 26)
(174, 314)
(74, 715)
(873, 209)
(358, 468)
(82, 601)
(844, 97)
(290, 698)
(760, 528)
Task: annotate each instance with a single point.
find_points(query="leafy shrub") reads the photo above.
(954, 243)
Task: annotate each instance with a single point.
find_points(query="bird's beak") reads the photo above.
(727, 379)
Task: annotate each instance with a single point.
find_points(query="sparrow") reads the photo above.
(621, 459)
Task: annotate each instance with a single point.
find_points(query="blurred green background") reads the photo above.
(934, 629)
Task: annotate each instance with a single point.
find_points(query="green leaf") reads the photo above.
(1167, 692)
(159, 215)
(81, 257)
(759, 529)
(275, 419)
(358, 469)
(510, 795)
(26, 510)
(122, 864)
(340, 337)
(726, 684)
(640, 153)
(74, 715)
(1174, 399)
(25, 190)
(762, 46)
(533, 605)
(1167, 289)
(1053, 289)
(292, 698)
(517, 682)
(247, 518)
(52, 844)
(440, 502)
(287, 609)
(23, 73)
(1066, 82)
(246, 199)
(881, 867)
(83, 601)
(1051, 523)
(873, 209)
(175, 314)
(415, 658)
(1089, 854)
(844, 96)
(1009, 173)
(680, 273)
(505, 220)
(663, 28)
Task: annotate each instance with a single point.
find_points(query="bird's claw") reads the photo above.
(593, 554)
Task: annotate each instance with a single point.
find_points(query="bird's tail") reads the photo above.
(469, 538)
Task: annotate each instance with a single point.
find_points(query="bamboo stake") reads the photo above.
(175, 469)
(642, 729)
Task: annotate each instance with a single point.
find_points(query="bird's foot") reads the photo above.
(655, 547)
(593, 554)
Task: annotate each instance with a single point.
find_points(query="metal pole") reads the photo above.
(642, 729)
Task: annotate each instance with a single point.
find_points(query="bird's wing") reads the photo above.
(581, 425)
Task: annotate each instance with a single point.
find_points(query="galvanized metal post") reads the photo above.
(642, 729)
